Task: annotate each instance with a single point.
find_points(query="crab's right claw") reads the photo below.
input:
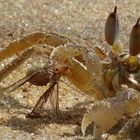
(105, 114)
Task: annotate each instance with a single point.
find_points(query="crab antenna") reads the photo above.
(134, 44)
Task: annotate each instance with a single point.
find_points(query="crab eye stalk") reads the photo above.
(134, 43)
(112, 29)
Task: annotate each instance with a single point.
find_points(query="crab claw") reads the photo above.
(134, 44)
(105, 114)
(112, 28)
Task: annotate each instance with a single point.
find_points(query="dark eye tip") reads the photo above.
(138, 22)
(115, 10)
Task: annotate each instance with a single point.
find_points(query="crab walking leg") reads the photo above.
(54, 100)
(21, 59)
(15, 85)
(33, 39)
(105, 114)
(14, 64)
(20, 82)
(56, 109)
(43, 99)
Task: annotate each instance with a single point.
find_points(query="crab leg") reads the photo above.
(43, 99)
(14, 64)
(21, 59)
(17, 84)
(54, 100)
(20, 82)
(33, 39)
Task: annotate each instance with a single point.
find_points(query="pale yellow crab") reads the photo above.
(111, 77)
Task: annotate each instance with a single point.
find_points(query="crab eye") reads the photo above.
(112, 28)
(134, 44)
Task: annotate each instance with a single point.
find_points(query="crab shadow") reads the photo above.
(8, 102)
(70, 116)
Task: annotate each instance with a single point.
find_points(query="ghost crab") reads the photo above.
(104, 75)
